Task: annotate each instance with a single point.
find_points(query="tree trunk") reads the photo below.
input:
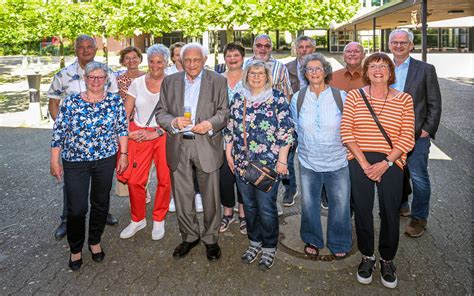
(104, 49)
(62, 62)
(216, 47)
(229, 34)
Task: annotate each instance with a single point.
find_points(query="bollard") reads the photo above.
(34, 82)
(34, 95)
(34, 116)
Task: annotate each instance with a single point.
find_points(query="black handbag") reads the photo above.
(257, 174)
(406, 174)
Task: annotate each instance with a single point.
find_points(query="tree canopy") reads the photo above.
(30, 20)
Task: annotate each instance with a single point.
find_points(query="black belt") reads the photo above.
(189, 137)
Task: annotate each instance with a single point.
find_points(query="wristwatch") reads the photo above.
(390, 163)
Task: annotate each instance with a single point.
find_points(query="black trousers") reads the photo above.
(389, 194)
(226, 186)
(79, 177)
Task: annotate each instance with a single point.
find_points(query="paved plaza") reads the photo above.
(33, 262)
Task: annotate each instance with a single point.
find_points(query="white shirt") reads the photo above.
(145, 102)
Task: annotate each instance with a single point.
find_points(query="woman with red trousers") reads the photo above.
(147, 143)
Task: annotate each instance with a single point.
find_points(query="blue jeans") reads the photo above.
(290, 181)
(261, 214)
(338, 188)
(418, 166)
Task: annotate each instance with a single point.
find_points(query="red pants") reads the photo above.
(146, 152)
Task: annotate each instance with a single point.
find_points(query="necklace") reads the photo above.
(91, 100)
(385, 101)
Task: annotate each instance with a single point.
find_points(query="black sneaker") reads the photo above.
(388, 274)
(364, 272)
(251, 254)
(289, 198)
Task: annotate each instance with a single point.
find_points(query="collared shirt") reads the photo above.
(87, 131)
(318, 127)
(192, 89)
(71, 80)
(301, 78)
(280, 76)
(401, 73)
(345, 80)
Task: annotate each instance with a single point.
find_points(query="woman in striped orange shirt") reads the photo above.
(373, 161)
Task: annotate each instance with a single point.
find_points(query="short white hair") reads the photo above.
(193, 45)
(158, 49)
(396, 31)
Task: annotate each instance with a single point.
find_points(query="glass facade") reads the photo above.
(444, 40)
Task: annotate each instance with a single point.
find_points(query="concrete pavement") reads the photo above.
(32, 262)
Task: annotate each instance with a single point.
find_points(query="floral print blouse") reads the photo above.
(269, 127)
(88, 132)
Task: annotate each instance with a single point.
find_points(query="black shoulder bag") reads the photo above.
(406, 174)
(259, 175)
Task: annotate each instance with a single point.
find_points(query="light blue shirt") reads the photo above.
(401, 75)
(318, 127)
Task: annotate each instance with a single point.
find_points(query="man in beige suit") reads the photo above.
(194, 145)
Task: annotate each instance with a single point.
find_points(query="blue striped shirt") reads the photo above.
(318, 127)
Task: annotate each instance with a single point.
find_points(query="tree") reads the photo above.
(67, 21)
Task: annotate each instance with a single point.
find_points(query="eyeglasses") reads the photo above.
(192, 61)
(313, 70)
(128, 59)
(372, 67)
(355, 51)
(96, 78)
(399, 43)
(257, 74)
(260, 46)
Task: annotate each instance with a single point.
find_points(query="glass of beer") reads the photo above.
(187, 112)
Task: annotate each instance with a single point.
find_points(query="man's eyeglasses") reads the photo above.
(96, 78)
(260, 46)
(355, 51)
(314, 70)
(399, 43)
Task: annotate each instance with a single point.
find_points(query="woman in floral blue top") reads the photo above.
(86, 134)
(269, 137)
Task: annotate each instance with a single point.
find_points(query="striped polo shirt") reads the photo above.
(396, 116)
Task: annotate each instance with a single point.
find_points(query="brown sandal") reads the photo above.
(311, 247)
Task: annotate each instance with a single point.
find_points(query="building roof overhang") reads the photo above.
(402, 13)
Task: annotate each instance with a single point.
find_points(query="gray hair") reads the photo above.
(82, 38)
(356, 43)
(305, 38)
(158, 49)
(396, 31)
(263, 36)
(92, 66)
(257, 64)
(193, 45)
(317, 57)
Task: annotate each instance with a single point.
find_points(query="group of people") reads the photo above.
(356, 128)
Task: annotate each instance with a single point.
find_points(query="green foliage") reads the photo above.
(23, 21)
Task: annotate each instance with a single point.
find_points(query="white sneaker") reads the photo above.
(158, 231)
(132, 228)
(148, 197)
(172, 207)
(198, 201)
(279, 209)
